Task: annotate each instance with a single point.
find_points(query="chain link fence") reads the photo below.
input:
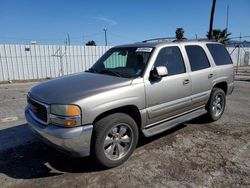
(240, 56)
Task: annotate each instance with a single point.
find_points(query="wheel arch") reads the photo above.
(222, 85)
(130, 110)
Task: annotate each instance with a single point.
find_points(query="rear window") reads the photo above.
(219, 54)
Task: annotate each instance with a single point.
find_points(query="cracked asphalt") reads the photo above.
(194, 154)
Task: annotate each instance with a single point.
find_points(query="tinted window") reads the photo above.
(220, 54)
(171, 58)
(197, 58)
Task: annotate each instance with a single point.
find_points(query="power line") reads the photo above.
(41, 39)
(240, 37)
(48, 39)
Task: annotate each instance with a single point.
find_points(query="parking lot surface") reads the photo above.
(194, 154)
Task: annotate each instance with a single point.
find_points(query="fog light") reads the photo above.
(70, 122)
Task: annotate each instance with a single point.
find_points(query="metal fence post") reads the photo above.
(7, 65)
(2, 66)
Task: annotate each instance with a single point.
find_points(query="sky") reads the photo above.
(50, 21)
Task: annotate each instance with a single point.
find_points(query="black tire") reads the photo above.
(103, 129)
(212, 113)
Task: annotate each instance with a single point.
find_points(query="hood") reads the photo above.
(69, 89)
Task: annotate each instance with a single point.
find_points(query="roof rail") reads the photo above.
(201, 40)
(173, 39)
(159, 39)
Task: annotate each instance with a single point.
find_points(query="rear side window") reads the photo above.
(219, 54)
(197, 57)
(171, 58)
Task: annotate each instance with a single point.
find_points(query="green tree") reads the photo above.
(91, 43)
(179, 33)
(220, 35)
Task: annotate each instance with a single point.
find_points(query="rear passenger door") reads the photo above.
(202, 74)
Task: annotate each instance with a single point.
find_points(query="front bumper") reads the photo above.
(72, 141)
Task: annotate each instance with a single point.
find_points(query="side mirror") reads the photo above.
(159, 72)
(162, 71)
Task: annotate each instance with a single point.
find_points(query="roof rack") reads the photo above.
(173, 39)
(159, 39)
(190, 40)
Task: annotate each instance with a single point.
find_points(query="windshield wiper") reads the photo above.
(107, 71)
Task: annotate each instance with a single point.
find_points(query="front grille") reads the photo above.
(39, 110)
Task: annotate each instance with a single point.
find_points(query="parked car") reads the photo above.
(143, 88)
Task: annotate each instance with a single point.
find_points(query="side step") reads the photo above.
(156, 129)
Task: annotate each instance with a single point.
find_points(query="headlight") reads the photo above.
(65, 115)
(65, 110)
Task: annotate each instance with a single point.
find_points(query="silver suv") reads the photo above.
(143, 88)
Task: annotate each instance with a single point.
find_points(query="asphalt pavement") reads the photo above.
(194, 154)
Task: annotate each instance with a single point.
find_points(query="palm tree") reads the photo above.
(210, 33)
(220, 35)
(179, 33)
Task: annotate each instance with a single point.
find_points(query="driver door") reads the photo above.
(170, 95)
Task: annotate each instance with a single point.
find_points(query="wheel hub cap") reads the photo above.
(118, 142)
(218, 105)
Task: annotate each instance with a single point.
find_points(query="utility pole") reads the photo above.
(105, 35)
(238, 55)
(83, 39)
(227, 18)
(210, 32)
(68, 39)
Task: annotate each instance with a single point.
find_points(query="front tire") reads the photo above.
(114, 139)
(216, 104)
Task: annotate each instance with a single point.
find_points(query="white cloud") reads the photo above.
(107, 20)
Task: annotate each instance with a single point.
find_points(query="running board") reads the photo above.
(172, 123)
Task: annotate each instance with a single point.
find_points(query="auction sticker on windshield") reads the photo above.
(144, 49)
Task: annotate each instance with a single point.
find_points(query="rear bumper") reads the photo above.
(230, 88)
(72, 141)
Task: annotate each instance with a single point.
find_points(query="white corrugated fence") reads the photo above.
(27, 62)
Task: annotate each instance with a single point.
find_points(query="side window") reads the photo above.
(219, 54)
(171, 58)
(197, 57)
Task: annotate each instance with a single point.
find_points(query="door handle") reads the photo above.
(210, 75)
(185, 81)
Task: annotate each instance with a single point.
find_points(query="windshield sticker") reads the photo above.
(144, 49)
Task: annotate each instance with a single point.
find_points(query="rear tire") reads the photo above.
(216, 104)
(114, 139)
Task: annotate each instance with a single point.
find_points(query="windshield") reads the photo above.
(127, 62)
